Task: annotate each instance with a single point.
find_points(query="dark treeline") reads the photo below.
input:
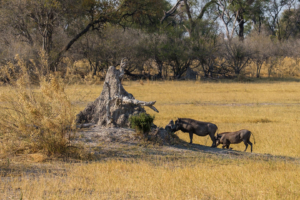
(191, 38)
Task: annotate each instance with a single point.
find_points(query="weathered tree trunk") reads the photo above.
(114, 106)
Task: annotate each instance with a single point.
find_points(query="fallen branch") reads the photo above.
(126, 100)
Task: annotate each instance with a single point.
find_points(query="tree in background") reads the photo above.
(273, 21)
(38, 22)
(237, 55)
(188, 16)
(290, 23)
(205, 47)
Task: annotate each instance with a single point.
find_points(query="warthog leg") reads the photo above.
(191, 137)
(212, 137)
(226, 144)
(246, 143)
(250, 144)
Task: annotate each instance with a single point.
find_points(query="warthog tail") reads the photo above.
(253, 137)
(216, 133)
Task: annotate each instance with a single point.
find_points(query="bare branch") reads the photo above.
(206, 7)
(171, 11)
(126, 100)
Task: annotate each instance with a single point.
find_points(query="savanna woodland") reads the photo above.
(88, 89)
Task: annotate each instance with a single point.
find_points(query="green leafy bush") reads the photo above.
(142, 122)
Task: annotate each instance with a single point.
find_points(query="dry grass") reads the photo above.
(35, 114)
(270, 110)
(161, 179)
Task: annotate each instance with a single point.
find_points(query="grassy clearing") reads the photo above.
(270, 110)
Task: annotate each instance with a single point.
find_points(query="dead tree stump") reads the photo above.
(115, 105)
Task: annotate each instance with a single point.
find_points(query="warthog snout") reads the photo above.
(217, 138)
(217, 142)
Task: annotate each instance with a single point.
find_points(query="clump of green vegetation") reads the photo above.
(141, 123)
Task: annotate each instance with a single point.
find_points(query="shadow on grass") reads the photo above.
(182, 151)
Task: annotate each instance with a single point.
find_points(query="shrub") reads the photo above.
(141, 123)
(35, 117)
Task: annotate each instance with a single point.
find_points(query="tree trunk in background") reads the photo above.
(241, 22)
(159, 66)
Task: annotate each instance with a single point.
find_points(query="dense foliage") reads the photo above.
(141, 123)
(161, 39)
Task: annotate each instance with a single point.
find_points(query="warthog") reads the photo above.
(192, 126)
(228, 138)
